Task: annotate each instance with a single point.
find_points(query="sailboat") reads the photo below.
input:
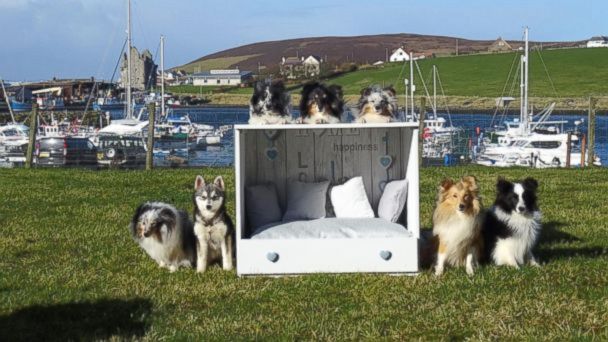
(129, 125)
(525, 141)
(439, 134)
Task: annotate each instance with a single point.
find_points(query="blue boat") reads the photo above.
(19, 106)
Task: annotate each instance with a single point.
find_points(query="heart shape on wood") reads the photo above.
(385, 161)
(386, 255)
(272, 153)
(272, 256)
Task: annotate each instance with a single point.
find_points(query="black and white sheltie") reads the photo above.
(165, 233)
(377, 105)
(321, 104)
(269, 104)
(512, 225)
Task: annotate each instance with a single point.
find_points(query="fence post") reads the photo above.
(591, 130)
(150, 151)
(32, 136)
(421, 116)
(583, 150)
(568, 149)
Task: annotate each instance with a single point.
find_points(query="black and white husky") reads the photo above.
(512, 225)
(269, 104)
(377, 105)
(321, 104)
(212, 225)
(165, 233)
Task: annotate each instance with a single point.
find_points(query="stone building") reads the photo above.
(143, 70)
(294, 67)
(500, 45)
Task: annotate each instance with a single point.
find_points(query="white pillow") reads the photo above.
(350, 200)
(393, 200)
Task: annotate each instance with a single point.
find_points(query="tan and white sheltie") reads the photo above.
(456, 224)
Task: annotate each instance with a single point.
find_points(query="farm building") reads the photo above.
(499, 45)
(294, 67)
(227, 77)
(598, 41)
(399, 55)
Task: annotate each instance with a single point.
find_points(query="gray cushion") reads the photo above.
(305, 201)
(262, 205)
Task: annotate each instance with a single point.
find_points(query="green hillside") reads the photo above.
(575, 72)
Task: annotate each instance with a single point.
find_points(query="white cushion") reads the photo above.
(393, 200)
(350, 200)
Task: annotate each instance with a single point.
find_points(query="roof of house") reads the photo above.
(222, 73)
(292, 61)
(599, 38)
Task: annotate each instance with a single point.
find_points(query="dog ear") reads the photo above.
(135, 219)
(366, 91)
(219, 182)
(168, 217)
(446, 184)
(530, 184)
(471, 182)
(259, 86)
(336, 90)
(391, 90)
(503, 185)
(199, 182)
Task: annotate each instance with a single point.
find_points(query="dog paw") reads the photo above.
(172, 268)
(201, 269)
(470, 271)
(534, 263)
(438, 272)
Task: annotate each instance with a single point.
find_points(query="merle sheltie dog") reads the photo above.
(269, 104)
(377, 105)
(165, 233)
(512, 225)
(321, 104)
(212, 225)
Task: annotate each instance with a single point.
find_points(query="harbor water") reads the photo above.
(223, 154)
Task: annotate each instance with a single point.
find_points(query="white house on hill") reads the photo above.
(230, 77)
(598, 41)
(399, 55)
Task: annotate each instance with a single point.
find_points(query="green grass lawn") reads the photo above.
(575, 72)
(70, 270)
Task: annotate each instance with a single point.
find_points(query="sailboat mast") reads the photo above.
(412, 82)
(129, 111)
(8, 102)
(525, 88)
(434, 91)
(162, 76)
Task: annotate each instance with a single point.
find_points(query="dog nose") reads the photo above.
(208, 206)
(378, 107)
(461, 207)
(521, 209)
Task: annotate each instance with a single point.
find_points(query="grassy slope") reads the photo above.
(575, 72)
(69, 268)
(214, 63)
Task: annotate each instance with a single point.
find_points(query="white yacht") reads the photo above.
(532, 140)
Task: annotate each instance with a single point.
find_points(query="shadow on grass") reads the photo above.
(564, 253)
(98, 320)
(551, 234)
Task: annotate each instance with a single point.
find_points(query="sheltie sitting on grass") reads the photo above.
(457, 224)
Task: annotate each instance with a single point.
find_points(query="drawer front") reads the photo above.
(297, 256)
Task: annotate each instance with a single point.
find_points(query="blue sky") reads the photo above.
(82, 38)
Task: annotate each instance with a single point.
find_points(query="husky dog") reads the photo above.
(165, 233)
(321, 103)
(512, 225)
(269, 104)
(457, 224)
(212, 225)
(377, 105)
